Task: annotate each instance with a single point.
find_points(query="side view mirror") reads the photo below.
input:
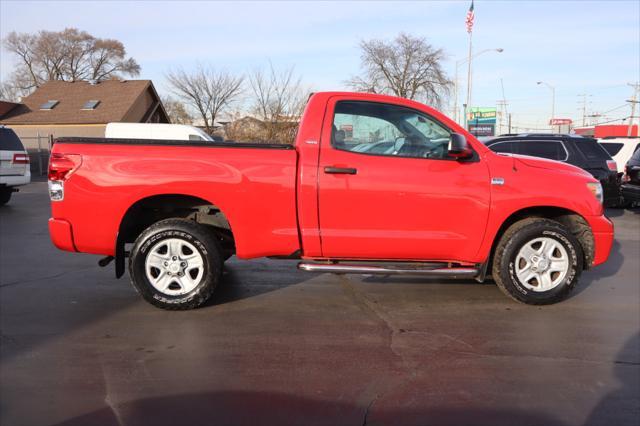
(458, 147)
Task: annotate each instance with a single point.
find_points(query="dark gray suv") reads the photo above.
(579, 151)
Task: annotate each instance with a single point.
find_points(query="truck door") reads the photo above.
(389, 190)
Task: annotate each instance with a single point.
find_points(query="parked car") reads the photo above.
(631, 179)
(620, 149)
(179, 210)
(579, 151)
(155, 131)
(14, 164)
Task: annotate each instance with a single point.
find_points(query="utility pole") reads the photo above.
(584, 108)
(502, 104)
(634, 102)
(509, 123)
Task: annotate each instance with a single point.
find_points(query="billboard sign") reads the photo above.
(560, 121)
(482, 129)
(481, 121)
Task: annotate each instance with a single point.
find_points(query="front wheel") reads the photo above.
(175, 264)
(537, 261)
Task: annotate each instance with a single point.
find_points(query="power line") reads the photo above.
(615, 109)
(615, 119)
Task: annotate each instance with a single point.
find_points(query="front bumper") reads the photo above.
(61, 234)
(603, 233)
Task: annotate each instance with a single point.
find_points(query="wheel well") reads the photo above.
(150, 210)
(575, 223)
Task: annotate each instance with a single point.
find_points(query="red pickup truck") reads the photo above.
(374, 185)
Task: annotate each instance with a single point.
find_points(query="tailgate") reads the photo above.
(13, 159)
(8, 167)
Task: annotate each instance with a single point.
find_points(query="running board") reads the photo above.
(378, 269)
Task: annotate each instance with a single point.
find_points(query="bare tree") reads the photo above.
(279, 101)
(69, 55)
(8, 92)
(407, 67)
(176, 111)
(207, 91)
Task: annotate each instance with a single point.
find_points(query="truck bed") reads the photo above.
(253, 185)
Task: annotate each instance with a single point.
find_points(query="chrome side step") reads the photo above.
(397, 269)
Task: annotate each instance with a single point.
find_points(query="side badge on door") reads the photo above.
(497, 181)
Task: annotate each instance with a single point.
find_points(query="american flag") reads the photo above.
(470, 17)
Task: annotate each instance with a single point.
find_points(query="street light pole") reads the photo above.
(466, 126)
(456, 110)
(553, 100)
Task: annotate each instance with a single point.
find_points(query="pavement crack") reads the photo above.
(370, 307)
(365, 417)
(373, 309)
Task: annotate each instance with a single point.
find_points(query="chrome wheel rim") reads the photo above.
(542, 264)
(174, 267)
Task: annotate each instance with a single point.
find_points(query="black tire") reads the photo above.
(196, 235)
(507, 249)
(5, 195)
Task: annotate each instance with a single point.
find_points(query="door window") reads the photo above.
(552, 150)
(502, 147)
(383, 129)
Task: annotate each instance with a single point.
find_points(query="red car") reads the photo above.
(432, 200)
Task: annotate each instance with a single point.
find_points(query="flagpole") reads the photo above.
(466, 121)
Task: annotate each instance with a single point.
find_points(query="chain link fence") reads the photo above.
(38, 147)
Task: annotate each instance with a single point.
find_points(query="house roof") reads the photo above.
(116, 97)
(5, 107)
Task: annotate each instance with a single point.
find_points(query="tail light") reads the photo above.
(20, 158)
(61, 167)
(612, 165)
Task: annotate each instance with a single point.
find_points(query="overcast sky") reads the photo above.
(579, 47)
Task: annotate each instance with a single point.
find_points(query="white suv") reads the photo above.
(621, 149)
(14, 164)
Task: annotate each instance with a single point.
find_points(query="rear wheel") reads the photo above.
(5, 195)
(537, 261)
(176, 264)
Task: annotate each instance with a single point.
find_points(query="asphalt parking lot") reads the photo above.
(278, 346)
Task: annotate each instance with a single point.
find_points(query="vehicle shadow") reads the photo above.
(272, 408)
(243, 279)
(617, 212)
(407, 279)
(608, 269)
(614, 212)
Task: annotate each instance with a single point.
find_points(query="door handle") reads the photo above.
(340, 171)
